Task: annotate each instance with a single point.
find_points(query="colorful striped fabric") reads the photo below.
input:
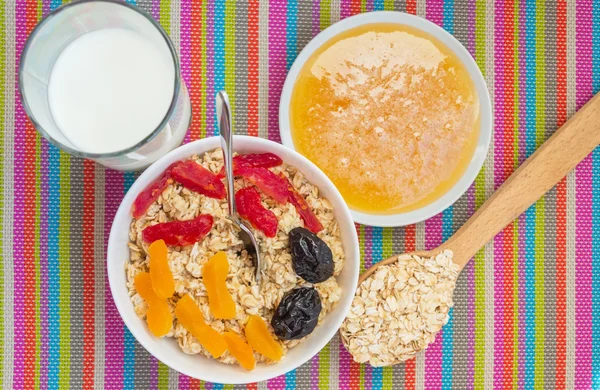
(527, 311)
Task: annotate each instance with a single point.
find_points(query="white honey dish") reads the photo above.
(485, 116)
(166, 349)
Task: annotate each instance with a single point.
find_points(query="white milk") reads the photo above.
(109, 89)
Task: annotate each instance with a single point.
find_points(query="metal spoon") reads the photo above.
(224, 120)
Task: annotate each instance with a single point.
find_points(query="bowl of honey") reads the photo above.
(394, 110)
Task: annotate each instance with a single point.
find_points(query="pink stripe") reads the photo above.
(520, 146)
(185, 46)
(345, 9)
(155, 10)
(113, 372)
(153, 373)
(210, 70)
(433, 354)
(435, 12)
(583, 293)
(316, 18)
(277, 62)
(344, 367)
(19, 211)
(471, 16)
(499, 174)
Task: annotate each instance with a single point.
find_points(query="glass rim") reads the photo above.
(118, 153)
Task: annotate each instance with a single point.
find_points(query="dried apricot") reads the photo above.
(143, 286)
(240, 350)
(158, 317)
(189, 315)
(160, 274)
(214, 275)
(179, 233)
(260, 339)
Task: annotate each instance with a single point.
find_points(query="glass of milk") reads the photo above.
(101, 80)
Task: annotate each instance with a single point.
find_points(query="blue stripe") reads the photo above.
(53, 266)
(219, 54)
(596, 208)
(291, 33)
(448, 330)
(530, 214)
(449, 16)
(129, 340)
(378, 5)
(53, 263)
(291, 38)
(377, 256)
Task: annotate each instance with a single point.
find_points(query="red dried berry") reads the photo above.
(253, 160)
(152, 192)
(268, 182)
(179, 233)
(197, 178)
(251, 209)
(311, 221)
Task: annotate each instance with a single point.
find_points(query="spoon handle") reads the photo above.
(539, 173)
(224, 119)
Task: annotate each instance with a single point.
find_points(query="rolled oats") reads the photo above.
(399, 309)
(278, 276)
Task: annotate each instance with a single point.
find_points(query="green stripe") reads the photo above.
(361, 245)
(38, 191)
(480, 57)
(388, 5)
(325, 17)
(230, 55)
(2, 116)
(324, 365)
(387, 251)
(163, 376)
(64, 254)
(540, 207)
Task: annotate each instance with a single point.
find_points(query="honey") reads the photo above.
(389, 113)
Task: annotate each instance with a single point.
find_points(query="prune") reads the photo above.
(297, 313)
(311, 257)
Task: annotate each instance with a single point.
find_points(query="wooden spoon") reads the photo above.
(566, 148)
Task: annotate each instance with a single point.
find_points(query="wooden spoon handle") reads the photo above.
(539, 173)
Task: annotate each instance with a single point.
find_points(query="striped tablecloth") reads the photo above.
(527, 308)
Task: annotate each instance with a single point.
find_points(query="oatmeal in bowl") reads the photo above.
(191, 284)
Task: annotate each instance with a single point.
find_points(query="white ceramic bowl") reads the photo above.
(453, 44)
(166, 350)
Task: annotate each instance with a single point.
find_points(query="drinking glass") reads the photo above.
(58, 30)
